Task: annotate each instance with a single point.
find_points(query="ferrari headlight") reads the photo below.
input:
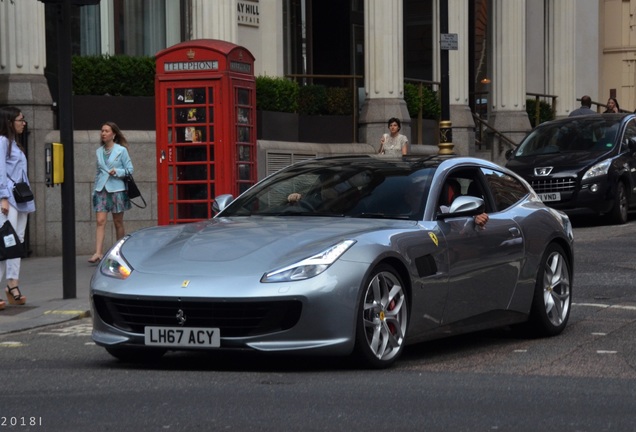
(114, 265)
(599, 169)
(309, 267)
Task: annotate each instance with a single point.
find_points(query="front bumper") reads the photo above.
(316, 315)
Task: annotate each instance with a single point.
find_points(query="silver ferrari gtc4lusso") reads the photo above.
(351, 255)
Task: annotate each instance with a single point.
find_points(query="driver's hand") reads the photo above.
(294, 197)
(481, 220)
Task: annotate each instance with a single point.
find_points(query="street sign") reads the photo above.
(448, 41)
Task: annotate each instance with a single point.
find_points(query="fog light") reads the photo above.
(594, 188)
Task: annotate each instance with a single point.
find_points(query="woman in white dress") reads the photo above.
(394, 144)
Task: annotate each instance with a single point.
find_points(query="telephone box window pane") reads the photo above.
(169, 97)
(188, 115)
(211, 134)
(212, 175)
(170, 119)
(192, 134)
(244, 134)
(191, 154)
(211, 96)
(190, 95)
(170, 135)
(193, 211)
(243, 97)
(243, 116)
(212, 155)
(211, 114)
(193, 172)
(243, 187)
(244, 172)
(244, 153)
(193, 192)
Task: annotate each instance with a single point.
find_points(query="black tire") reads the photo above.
(136, 354)
(552, 294)
(383, 315)
(618, 215)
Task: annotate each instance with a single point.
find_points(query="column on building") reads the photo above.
(508, 59)
(22, 84)
(214, 20)
(561, 52)
(384, 71)
(460, 114)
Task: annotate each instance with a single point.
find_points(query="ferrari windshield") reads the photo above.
(374, 189)
(597, 134)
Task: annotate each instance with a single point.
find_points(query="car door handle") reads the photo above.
(514, 232)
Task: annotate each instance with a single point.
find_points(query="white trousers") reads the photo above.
(19, 221)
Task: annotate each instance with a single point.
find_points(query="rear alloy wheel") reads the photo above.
(552, 295)
(383, 318)
(618, 215)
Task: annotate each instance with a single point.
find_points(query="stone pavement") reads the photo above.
(41, 282)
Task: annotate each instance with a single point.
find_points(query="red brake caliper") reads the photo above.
(390, 307)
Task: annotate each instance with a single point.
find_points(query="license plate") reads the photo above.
(554, 196)
(183, 337)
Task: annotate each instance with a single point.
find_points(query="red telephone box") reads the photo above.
(205, 94)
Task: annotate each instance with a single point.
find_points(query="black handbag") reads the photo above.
(10, 245)
(21, 191)
(133, 190)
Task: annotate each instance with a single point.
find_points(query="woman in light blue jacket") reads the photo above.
(109, 194)
(13, 169)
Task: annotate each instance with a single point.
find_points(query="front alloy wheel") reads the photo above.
(553, 296)
(383, 318)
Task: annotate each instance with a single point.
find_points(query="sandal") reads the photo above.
(15, 299)
(95, 259)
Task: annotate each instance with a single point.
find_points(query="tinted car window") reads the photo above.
(506, 189)
(587, 135)
(466, 183)
(353, 190)
(630, 133)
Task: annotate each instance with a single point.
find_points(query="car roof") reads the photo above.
(619, 117)
(407, 162)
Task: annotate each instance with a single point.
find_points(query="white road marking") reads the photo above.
(76, 330)
(605, 306)
(11, 344)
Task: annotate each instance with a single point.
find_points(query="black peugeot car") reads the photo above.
(582, 164)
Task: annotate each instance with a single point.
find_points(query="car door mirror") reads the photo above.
(221, 202)
(464, 206)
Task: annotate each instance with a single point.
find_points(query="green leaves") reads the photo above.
(113, 75)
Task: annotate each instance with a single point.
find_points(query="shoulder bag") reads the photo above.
(21, 191)
(10, 245)
(133, 190)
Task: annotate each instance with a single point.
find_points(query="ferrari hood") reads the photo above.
(241, 244)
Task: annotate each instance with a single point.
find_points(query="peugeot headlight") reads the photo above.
(599, 169)
(309, 267)
(114, 265)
